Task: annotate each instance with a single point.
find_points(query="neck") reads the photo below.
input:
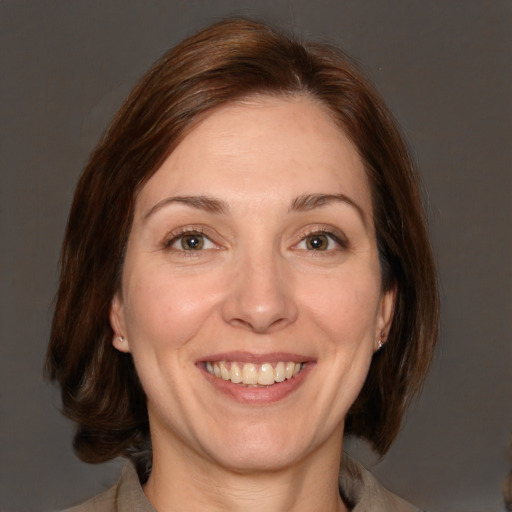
(187, 481)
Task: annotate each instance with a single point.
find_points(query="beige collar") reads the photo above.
(358, 487)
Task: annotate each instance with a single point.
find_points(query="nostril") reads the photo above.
(260, 325)
(238, 322)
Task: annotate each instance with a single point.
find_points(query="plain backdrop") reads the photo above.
(445, 68)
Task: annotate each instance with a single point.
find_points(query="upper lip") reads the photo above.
(251, 357)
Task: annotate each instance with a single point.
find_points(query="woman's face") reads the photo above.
(251, 293)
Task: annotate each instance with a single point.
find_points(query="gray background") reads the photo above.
(445, 68)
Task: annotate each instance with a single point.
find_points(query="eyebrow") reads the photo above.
(302, 203)
(205, 203)
(308, 202)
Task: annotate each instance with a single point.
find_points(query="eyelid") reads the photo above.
(334, 234)
(174, 235)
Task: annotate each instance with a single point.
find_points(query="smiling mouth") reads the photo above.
(254, 375)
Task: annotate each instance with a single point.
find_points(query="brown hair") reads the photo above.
(222, 63)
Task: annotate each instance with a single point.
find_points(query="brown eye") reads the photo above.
(192, 242)
(317, 242)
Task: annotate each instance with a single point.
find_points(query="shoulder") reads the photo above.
(104, 502)
(365, 494)
(126, 496)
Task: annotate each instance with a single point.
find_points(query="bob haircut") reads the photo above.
(226, 62)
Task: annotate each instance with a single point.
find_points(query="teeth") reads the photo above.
(253, 374)
(236, 374)
(280, 372)
(224, 372)
(266, 375)
(290, 368)
(249, 374)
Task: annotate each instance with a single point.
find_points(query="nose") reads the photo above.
(261, 295)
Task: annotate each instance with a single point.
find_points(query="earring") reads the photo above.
(382, 341)
(120, 339)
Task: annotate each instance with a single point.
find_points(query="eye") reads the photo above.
(320, 242)
(190, 241)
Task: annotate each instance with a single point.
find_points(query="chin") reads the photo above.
(261, 449)
(257, 459)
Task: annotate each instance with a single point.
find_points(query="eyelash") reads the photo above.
(338, 239)
(176, 235)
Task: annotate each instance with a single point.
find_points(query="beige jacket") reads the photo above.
(356, 484)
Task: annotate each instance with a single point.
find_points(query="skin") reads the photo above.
(256, 286)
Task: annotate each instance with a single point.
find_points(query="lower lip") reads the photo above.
(258, 395)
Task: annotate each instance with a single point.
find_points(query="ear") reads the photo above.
(385, 317)
(117, 323)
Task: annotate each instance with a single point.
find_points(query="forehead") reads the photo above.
(262, 147)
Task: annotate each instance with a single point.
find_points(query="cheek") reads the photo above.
(165, 311)
(346, 305)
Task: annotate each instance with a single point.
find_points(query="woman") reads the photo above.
(246, 279)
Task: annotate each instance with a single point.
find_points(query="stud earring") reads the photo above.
(120, 339)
